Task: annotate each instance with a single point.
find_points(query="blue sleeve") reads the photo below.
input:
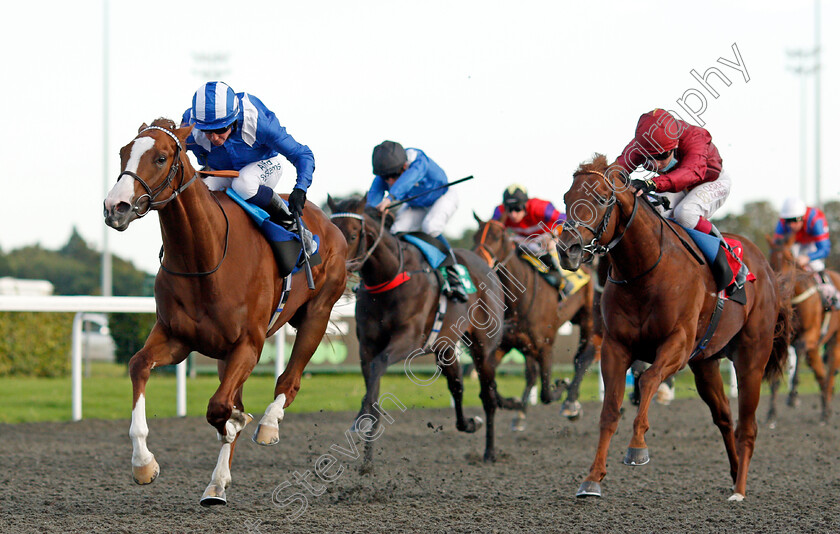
(192, 146)
(276, 137)
(823, 247)
(376, 192)
(780, 230)
(413, 174)
(497, 213)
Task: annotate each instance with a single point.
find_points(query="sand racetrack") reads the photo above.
(76, 477)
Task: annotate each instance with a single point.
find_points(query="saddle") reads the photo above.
(440, 259)
(567, 283)
(284, 239)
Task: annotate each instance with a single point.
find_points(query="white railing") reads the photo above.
(88, 304)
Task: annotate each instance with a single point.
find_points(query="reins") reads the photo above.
(157, 204)
(595, 248)
(485, 252)
(355, 264)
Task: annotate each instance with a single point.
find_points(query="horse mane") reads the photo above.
(598, 163)
(163, 122)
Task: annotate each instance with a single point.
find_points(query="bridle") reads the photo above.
(485, 252)
(595, 247)
(152, 194)
(355, 264)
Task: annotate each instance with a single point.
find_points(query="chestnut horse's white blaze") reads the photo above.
(123, 191)
(143, 462)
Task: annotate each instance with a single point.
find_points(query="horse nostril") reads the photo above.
(122, 208)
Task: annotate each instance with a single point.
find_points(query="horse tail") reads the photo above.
(784, 328)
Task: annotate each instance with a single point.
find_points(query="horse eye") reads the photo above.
(161, 159)
(353, 237)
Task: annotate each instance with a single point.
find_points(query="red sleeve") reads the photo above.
(631, 157)
(695, 146)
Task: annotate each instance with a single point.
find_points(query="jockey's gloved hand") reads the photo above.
(645, 186)
(297, 199)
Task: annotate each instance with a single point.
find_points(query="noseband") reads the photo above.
(595, 247)
(151, 194)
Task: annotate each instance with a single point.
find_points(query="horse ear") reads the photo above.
(142, 127)
(477, 218)
(360, 208)
(184, 132)
(331, 203)
(769, 239)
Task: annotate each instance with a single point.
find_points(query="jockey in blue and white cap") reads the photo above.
(235, 131)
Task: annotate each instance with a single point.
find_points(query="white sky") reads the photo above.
(506, 91)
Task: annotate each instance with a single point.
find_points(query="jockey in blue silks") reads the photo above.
(405, 173)
(235, 131)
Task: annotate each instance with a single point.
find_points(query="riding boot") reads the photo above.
(279, 213)
(829, 294)
(457, 291)
(743, 271)
(565, 286)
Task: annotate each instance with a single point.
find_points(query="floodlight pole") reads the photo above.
(107, 284)
(817, 96)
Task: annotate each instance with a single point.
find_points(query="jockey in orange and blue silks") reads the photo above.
(810, 227)
(236, 131)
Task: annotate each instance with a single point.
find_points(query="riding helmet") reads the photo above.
(658, 131)
(214, 106)
(793, 208)
(515, 196)
(388, 158)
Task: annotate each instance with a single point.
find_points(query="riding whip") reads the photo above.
(398, 203)
(306, 267)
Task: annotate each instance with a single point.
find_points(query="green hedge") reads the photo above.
(130, 331)
(35, 343)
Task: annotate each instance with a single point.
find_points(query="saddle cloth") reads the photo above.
(577, 279)
(275, 233)
(434, 252)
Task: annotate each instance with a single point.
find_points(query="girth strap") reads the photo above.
(710, 331)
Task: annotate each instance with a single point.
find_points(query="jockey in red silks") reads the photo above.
(687, 168)
(811, 243)
(533, 222)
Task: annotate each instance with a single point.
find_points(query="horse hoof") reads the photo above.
(589, 488)
(266, 435)
(571, 410)
(793, 401)
(478, 422)
(636, 456)
(771, 425)
(736, 497)
(489, 457)
(519, 423)
(146, 474)
(213, 495)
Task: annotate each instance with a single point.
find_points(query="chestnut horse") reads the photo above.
(815, 328)
(216, 292)
(656, 308)
(534, 313)
(400, 323)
